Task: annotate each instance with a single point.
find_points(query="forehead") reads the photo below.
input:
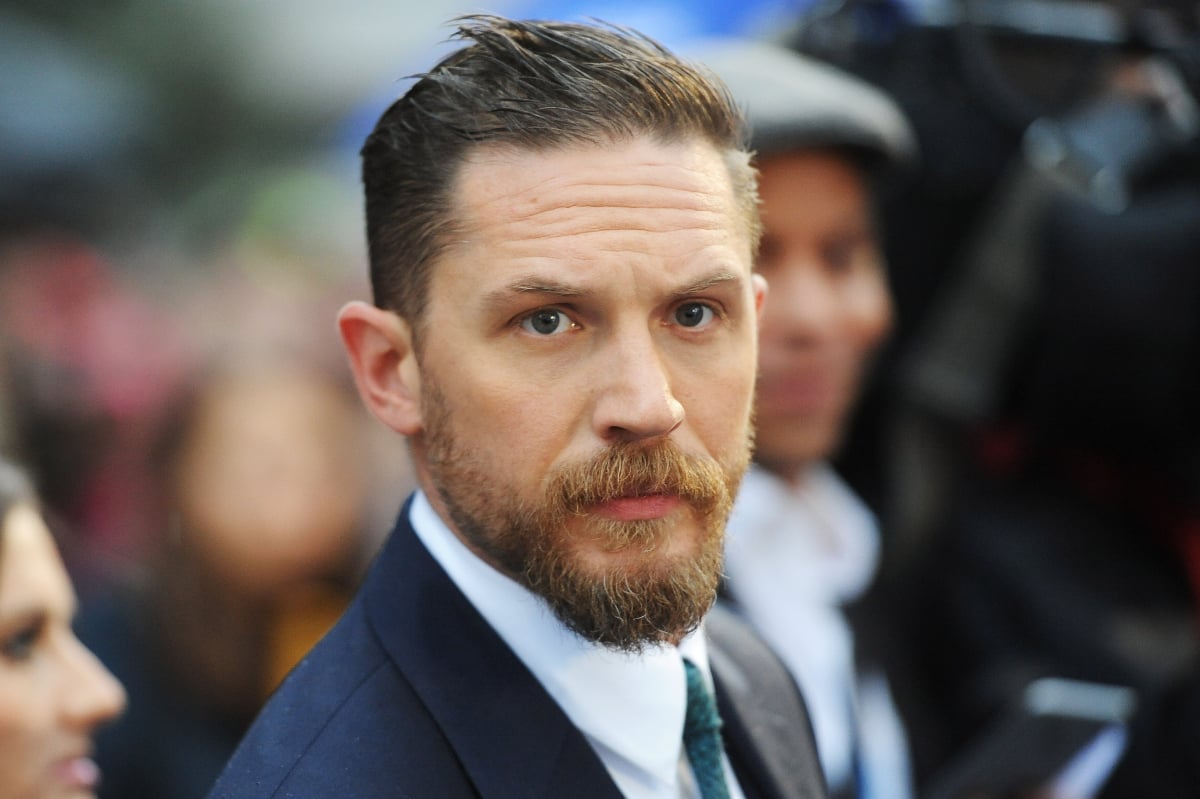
(691, 166)
(826, 183)
(637, 196)
(31, 572)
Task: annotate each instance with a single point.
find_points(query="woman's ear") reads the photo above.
(380, 349)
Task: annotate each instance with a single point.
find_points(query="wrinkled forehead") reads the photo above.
(607, 178)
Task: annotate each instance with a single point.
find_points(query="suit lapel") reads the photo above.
(753, 773)
(767, 732)
(511, 737)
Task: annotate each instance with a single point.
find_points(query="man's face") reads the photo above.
(587, 362)
(829, 304)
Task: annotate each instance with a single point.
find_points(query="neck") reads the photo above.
(790, 472)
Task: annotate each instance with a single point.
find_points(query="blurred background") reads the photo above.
(178, 183)
(180, 220)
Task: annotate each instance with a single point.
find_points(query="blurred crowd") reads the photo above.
(175, 241)
(1031, 440)
(176, 237)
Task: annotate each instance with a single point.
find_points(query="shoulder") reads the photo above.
(346, 722)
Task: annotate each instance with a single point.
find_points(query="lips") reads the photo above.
(638, 508)
(78, 773)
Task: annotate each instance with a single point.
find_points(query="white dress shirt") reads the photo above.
(630, 708)
(795, 555)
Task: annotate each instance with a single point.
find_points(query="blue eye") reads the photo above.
(694, 314)
(547, 322)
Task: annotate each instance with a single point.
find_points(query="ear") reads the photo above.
(380, 349)
(758, 284)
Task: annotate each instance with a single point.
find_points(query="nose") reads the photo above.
(802, 305)
(91, 695)
(634, 400)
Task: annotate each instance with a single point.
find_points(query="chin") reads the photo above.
(797, 441)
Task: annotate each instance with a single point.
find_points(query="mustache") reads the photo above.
(631, 470)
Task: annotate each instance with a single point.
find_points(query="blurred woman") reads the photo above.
(264, 485)
(54, 693)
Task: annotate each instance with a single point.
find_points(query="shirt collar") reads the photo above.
(630, 707)
(822, 539)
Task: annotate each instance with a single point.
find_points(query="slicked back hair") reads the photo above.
(534, 86)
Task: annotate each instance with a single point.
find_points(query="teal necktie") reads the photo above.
(702, 736)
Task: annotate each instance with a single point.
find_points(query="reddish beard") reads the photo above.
(639, 593)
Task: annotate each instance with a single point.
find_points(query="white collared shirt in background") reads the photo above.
(795, 555)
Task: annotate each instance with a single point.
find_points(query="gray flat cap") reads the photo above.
(795, 102)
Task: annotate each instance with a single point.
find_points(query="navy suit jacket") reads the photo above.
(413, 694)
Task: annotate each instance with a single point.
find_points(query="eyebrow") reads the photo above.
(19, 618)
(554, 288)
(717, 278)
(526, 285)
(540, 286)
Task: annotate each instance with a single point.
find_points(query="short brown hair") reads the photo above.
(533, 85)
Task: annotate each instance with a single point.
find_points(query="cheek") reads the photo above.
(512, 428)
(22, 738)
(718, 395)
(870, 318)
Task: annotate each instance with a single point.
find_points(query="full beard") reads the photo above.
(636, 594)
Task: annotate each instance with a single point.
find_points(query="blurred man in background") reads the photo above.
(801, 545)
(1042, 492)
